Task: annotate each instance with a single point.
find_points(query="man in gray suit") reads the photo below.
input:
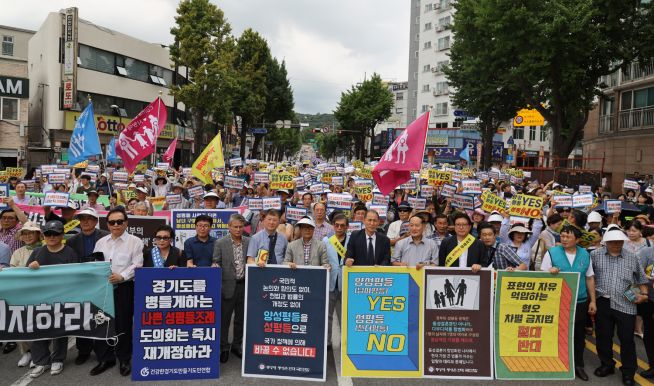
(229, 253)
(306, 250)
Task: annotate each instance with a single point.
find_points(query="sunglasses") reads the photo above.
(115, 222)
(51, 234)
(160, 238)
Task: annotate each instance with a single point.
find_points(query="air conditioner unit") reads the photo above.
(439, 28)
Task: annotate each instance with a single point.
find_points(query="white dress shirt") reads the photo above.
(125, 253)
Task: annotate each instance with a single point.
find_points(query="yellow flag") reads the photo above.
(211, 157)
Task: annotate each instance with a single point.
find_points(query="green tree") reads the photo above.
(553, 52)
(252, 60)
(329, 145)
(361, 108)
(479, 89)
(279, 106)
(204, 45)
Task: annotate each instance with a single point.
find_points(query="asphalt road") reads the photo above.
(230, 373)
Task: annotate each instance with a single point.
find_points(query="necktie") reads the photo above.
(371, 252)
(271, 249)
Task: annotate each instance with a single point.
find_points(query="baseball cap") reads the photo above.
(404, 206)
(594, 217)
(306, 221)
(53, 226)
(88, 212)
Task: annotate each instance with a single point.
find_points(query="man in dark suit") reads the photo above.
(473, 253)
(367, 246)
(230, 253)
(83, 244)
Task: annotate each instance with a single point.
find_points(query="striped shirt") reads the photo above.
(615, 274)
(506, 256)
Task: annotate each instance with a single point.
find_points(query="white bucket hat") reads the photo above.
(614, 234)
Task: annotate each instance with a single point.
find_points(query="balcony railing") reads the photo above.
(606, 124)
(637, 71)
(636, 119)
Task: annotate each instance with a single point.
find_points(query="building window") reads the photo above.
(441, 65)
(424, 108)
(416, 54)
(425, 88)
(418, 20)
(429, 7)
(543, 133)
(398, 110)
(9, 109)
(444, 43)
(415, 75)
(399, 96)
(532, 133)
(427, 45)
(136, 69)
(444, 5)
(417, 37)
(442, 88)
(518, 133)
(607, 107)
(637, 99)
(8, 45)
(426, 68)
(427, 26)
(94, 59)
(444, 22)
(441, 108)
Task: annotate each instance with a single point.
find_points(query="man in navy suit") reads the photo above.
(367, 246)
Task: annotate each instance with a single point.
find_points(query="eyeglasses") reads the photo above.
(115, 222)
(202, 225)
(337, 225)
(460, 225)
(162, 238)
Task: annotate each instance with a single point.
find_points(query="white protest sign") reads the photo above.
(260, 177)
(173, 199)
(337, 181)
(294, 213)
(354, 226)
(612, 206)
(379, 199)
(233, 162)
(139, 177)
(299, 182)
(630, 185)
(562, 201)
(272, 203)
(56, 199)
(471, 186)
(426, 191)
(418, 203)
(255, 204)
(584, 189)
(448, 190)
(381, 209)
(339, 201)
(583, 200)
(196, 191)
(120, 177)
(47, 169)
(462, 201)
(56, 178)
(233, 182)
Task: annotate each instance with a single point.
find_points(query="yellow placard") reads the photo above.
(15, 172)
(4, 177)
(363, 192)
(528, 117)
(526, 206)
(358, 164)
(364, 173)
(491, 202)
(439, 177)
(327, 177)
(281, 180)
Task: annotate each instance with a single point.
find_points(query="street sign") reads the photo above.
(460, 113)
(510, 141)
(325, 130)
(279, 124)
(259, 130)
(287, 124)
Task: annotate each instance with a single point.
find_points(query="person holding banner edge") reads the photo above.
(336, 251)
(569, 257)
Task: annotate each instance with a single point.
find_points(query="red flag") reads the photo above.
(139, 139)
(170, 152)
(404, 156)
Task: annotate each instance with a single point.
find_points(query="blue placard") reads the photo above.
(285, 323)
(4, 192)
(176, 324)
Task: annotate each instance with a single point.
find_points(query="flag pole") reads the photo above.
(156, 137)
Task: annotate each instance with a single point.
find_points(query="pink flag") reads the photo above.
(170, 152)
(139, 138)
(404, 156)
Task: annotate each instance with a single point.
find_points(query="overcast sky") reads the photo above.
(327, 45)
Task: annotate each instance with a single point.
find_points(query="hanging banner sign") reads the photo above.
(381, 330)
(534, 323)
(458, 338)
(285, 323)
(176, 324)
(79, 301)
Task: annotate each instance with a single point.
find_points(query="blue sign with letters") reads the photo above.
(176, 324)
(285, 323)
